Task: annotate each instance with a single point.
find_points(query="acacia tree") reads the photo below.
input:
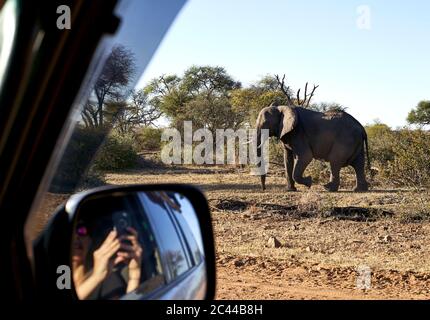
(421, 114)
(111, 86)
(202, 95)
(137, 111)
(249, 101)
(167, 94)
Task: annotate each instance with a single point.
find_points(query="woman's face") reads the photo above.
(81, 242)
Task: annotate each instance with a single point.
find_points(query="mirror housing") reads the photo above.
(53, 249)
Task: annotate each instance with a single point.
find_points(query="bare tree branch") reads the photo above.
(283, 89)
(311, 95)
(306, 99)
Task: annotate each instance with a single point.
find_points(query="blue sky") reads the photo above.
(377, 73)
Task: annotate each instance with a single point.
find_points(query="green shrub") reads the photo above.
(411, 163)
(148, 138)
(319, 171)
(117, 153)
(382, 141)
(276, 151)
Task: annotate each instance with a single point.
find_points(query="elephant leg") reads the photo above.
(358, 164)
(263, 182)
(300, 167)
(333, 185)
(289, 165)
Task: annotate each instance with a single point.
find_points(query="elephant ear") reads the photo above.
(288, 120)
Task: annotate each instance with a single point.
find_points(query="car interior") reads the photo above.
(46, 73)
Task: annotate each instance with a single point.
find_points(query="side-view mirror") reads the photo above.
(128, 243)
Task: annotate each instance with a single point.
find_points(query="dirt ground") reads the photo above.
(309, 244)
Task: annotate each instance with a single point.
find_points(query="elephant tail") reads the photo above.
(367, 151)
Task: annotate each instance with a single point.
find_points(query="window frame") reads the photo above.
(158, 238)
(186, 239)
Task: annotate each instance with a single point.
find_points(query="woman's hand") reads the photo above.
(133, 254)
(104, 260)
(103, 256)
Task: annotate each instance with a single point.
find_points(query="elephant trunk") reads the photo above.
(259, 147)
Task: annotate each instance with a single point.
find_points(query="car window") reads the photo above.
(100, 136)
(369, 63)
(185, 228)
(8, 21)
(172, 250)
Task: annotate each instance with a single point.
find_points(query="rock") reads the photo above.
(308, 249)
(239, 263)
(387, 238)
(273, 243)
(316, 268)
(294, 227)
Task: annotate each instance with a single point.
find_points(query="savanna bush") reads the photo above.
(148, 138)
(382, 141)
(410, 165)
(117, 153)
(318, 170)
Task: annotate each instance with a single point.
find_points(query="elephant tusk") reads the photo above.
(261, 144)
(248, 142)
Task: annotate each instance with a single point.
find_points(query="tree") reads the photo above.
(211, 81)
(266, 83)
(112, 85)
(327, 106)
(249, 101)
(420, 115)
(136, 112)
(167, 94)
(202, 95)
(212, 113)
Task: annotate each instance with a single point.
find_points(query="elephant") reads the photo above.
(333, 136)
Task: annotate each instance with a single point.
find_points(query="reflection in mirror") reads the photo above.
(136, 243)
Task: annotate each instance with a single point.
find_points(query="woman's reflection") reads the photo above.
(115, 250)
